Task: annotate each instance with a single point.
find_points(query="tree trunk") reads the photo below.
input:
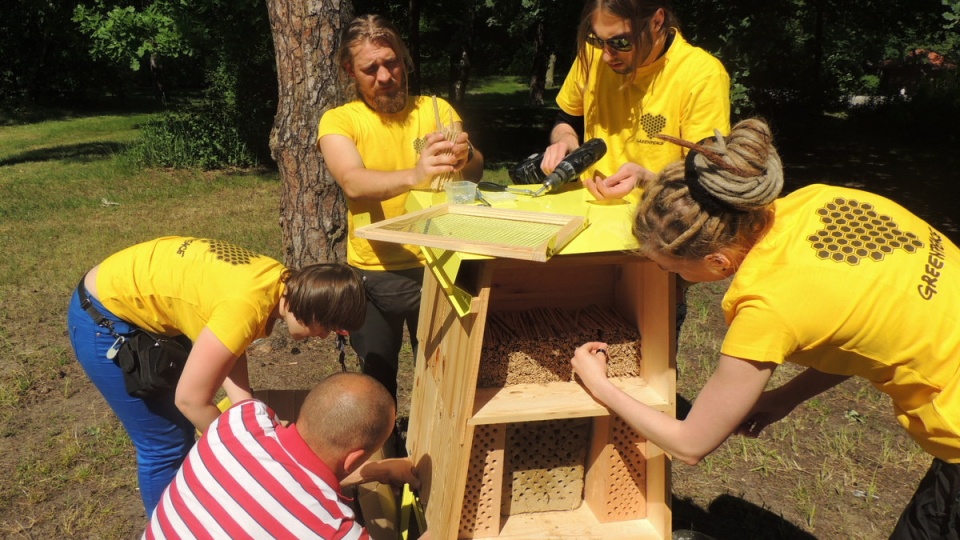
(818, 41)
(156, 69)
(460, 76)
(306, 34)
(539, 75)
(413, 27)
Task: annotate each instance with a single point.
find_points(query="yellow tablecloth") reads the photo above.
(608, 229)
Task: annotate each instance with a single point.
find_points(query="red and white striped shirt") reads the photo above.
(250, 477)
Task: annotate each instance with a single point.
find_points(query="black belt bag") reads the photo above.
(151, 363)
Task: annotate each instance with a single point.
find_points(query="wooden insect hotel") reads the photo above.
(507, 444)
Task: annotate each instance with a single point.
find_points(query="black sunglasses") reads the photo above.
(619, 44)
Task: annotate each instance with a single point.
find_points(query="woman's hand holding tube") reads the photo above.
(590, 364)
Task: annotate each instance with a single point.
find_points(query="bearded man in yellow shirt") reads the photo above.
(378, 147)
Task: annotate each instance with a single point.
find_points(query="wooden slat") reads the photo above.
(579, 523)
(552, 401)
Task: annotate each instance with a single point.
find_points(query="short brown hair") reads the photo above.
(330, 294)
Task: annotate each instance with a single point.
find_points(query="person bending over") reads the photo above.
(840, 281)
(219, 296)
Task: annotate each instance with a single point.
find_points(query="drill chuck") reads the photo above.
(575, 163)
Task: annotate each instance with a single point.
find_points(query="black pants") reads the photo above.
(393, 299)
(934, 510)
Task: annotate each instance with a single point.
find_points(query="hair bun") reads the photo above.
(754, 175)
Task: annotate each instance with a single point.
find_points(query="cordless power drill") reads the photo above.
(570, 168)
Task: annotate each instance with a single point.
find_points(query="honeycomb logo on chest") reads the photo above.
(652, 124)
(855, 231)
(420, 144)
(229, 253)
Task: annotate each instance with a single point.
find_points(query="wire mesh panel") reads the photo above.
(484, 231)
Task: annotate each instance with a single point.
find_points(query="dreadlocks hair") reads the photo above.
(719, 199)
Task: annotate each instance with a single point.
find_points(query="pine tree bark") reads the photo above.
(413, 43)
(539, 74)
(306, 35)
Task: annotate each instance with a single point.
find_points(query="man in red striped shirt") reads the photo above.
(251, 477)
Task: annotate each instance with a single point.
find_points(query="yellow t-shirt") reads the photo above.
(384, 146)
(178, 285)
(685, 93)
(850, 283)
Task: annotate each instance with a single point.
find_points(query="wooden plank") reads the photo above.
(554, 286)
(579, 523)
(445, 378)
(658, 322)
(616, 481)
(286, 403)
(552, 401)
(650, 295)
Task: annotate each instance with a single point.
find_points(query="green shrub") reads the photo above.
(203, 135)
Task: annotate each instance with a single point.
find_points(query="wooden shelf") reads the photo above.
(579, 523)
(460, 435)
(553, 401)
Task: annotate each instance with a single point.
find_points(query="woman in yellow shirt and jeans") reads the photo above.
(219, 296)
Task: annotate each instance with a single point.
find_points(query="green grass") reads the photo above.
(70, 197)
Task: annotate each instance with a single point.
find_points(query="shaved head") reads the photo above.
(345, 412)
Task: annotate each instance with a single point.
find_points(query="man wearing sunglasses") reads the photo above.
(634, 77)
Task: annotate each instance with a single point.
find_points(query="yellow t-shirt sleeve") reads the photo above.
(757, 333)
(570, 97)
(708, 105)
(333, 122)
(236, 323)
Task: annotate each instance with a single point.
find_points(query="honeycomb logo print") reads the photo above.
(230, 253)
(652, 124)
(418, 144)
(854, 231)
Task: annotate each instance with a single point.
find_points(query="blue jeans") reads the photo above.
(160, 433)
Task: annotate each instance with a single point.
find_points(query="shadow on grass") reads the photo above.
(732, 518)
(71, 152)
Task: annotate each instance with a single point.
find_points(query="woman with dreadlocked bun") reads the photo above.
(840, 281)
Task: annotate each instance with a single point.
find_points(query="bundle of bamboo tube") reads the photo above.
(450, 133)
(535, 345)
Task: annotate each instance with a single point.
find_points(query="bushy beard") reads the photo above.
(392, 103)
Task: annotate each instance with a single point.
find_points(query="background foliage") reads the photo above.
(212, 60)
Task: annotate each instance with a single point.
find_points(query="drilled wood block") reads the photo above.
(616, 484)
(484, 484)
(545, 466)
